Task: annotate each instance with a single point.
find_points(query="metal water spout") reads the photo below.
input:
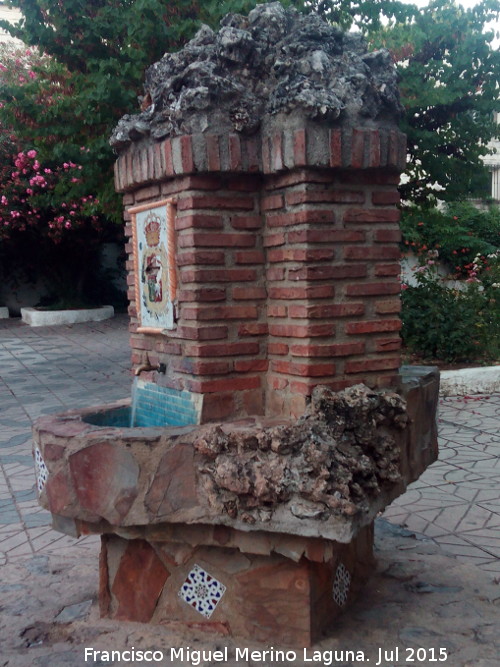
(160, 368)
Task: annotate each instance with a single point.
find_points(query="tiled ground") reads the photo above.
(42, 370)
(457, 500)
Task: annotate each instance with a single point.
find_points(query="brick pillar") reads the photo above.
(287, 260)
(331, 234)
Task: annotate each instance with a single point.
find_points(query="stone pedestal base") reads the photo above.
(286, 600)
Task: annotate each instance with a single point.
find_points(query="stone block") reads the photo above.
(105, 477)
(267, 598)
(173, 485)
(138, 583)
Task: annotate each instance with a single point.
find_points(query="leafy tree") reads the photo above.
(457, 233)
(450, 73)
(99, 50)
(364, 15)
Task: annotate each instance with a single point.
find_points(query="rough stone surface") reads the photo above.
(335, 459)
(275, 61)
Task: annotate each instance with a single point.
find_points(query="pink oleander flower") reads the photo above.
(38, 180)
(31, 154)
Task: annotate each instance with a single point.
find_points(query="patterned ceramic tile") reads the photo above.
(341, 585)
(42, 473)
(202, 591)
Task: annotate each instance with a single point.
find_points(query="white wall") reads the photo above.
(8, 14)
(492, 161)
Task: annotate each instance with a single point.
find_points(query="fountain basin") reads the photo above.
(279, 514)
(97, 469)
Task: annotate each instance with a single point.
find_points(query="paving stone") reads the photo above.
(74, 612)
(456, 504)
(39, 564)
(38, 519)
(16, 440)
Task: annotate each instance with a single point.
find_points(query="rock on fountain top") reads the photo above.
(254, 69)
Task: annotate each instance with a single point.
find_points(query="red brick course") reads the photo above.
(282, 273)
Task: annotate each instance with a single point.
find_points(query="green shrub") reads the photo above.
(453, 324)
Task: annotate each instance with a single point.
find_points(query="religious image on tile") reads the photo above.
(152, 258)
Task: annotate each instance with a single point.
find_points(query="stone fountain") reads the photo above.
(271, 421)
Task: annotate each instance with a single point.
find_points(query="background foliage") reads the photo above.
(459, 232)
(86, 66)
(453, 320)
(454, 324)
(99, 50)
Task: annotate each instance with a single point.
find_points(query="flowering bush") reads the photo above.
(52, 224)
(459, 233)
(43, 198)
(454, 324)
(50, 232)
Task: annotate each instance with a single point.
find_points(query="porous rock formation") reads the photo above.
(336, 458)
(275, 61)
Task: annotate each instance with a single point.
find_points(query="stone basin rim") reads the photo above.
(157, 476)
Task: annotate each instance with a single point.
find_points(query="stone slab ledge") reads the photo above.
(482, 380)
(49, 318)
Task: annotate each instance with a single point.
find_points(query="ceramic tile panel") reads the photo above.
(163, 406)
(341, 585)
(42, 473)
(202, 591)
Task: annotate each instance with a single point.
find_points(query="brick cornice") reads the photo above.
(342, 148)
